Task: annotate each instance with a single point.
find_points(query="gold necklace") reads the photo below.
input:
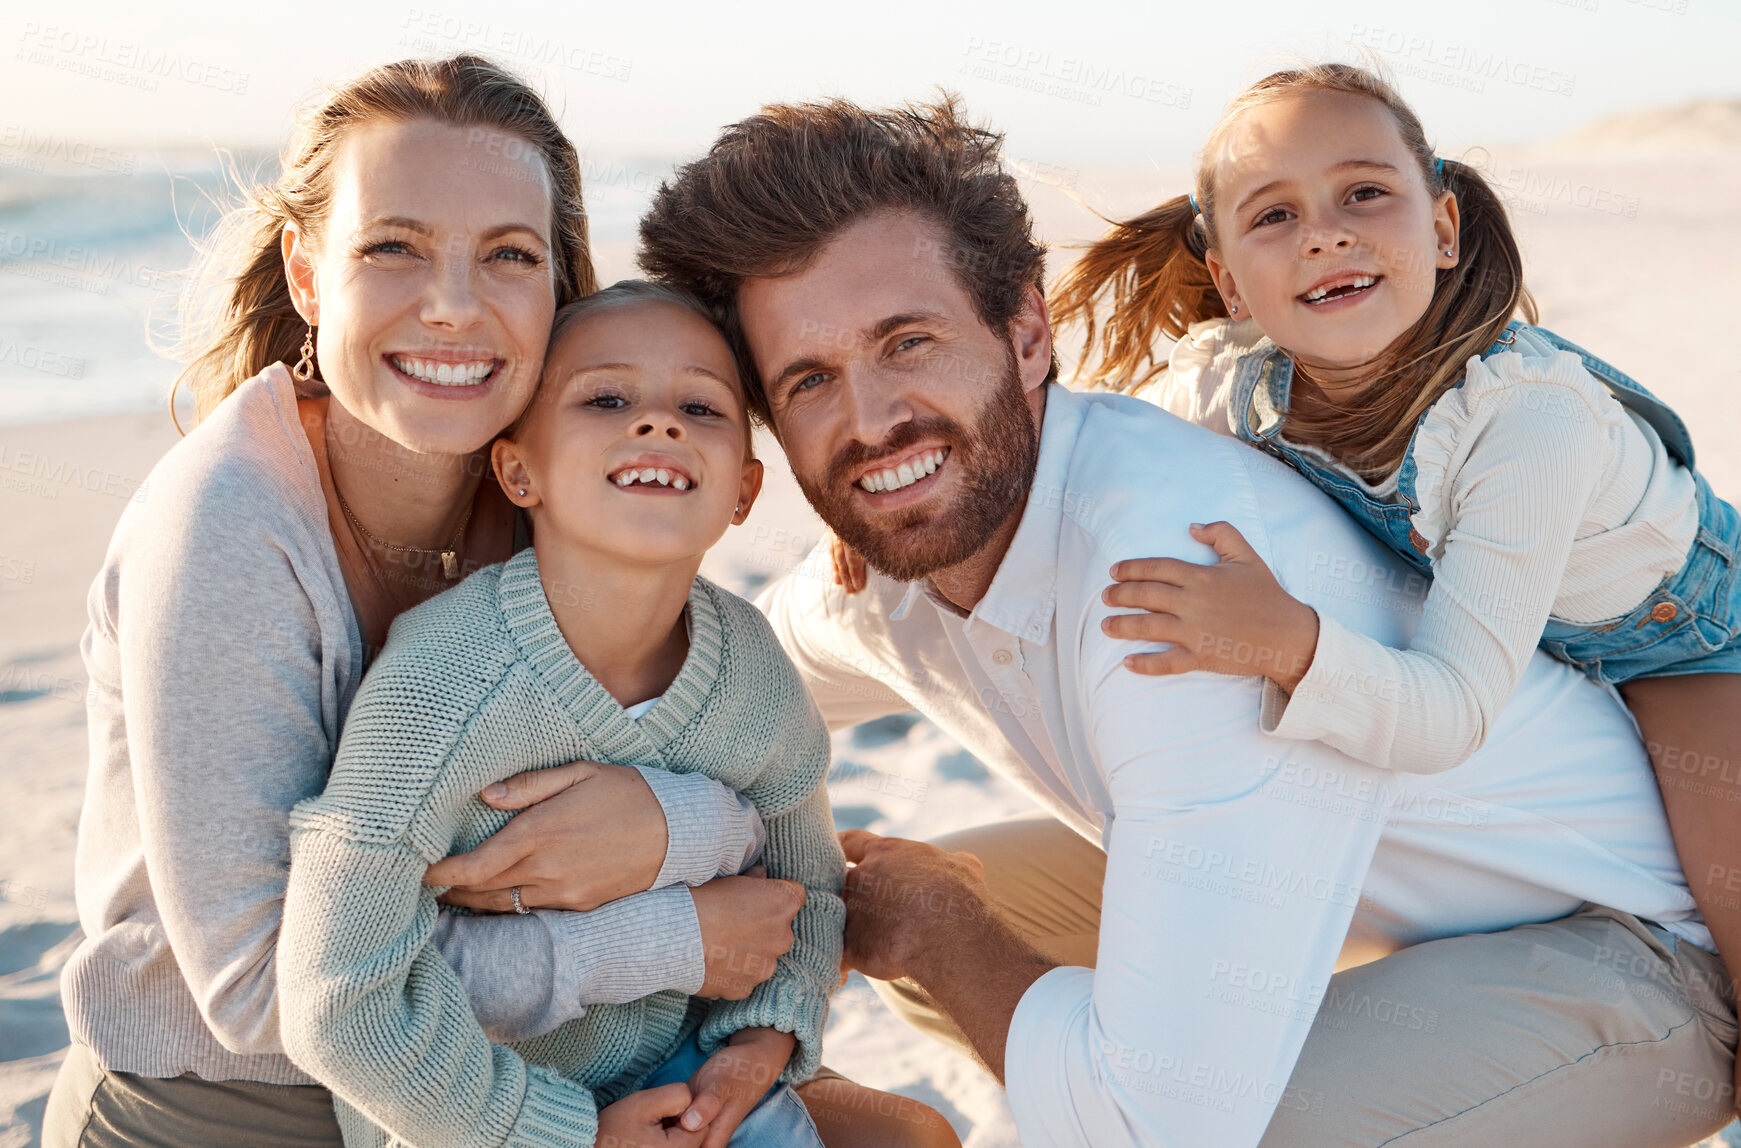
(449, 554)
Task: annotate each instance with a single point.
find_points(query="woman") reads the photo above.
(427, 223)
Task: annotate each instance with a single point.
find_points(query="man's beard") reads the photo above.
(995, 460)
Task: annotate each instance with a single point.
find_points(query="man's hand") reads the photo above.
(589, 834)
(746, 927)
(734, 1080)
(638, 1120)
(1229, 618)
(914, 910)
(901, 896)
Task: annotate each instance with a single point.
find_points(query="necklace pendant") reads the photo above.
(449, 565)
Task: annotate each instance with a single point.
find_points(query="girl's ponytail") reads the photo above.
(1151, 270)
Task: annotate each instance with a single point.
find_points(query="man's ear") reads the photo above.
(1031, 336)
(749, 486)
(1225, 284)
(298, 255)
(509, 463)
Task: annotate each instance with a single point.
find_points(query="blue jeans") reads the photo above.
(779, 1119)
(1691, 623)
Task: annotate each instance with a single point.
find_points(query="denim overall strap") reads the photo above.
(1262, 382)
(1626, 391)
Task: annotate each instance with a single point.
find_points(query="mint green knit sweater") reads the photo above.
(472, 687)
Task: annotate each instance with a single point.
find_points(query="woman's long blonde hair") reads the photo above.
(236, 312)
(1152, 271)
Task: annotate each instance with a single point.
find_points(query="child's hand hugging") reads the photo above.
(734, 1080)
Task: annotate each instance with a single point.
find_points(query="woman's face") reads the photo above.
(1325, 231)
(431, 283)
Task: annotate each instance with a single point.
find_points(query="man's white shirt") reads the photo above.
(1237, 863)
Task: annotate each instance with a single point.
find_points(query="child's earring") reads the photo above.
(1233, 310)
(522, 492)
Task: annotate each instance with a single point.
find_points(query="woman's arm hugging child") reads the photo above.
(599, 643)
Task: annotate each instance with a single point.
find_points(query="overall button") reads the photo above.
(1004, 657)
(1664, 612)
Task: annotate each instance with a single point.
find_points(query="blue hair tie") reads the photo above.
(1192, 196)
(1439, 168)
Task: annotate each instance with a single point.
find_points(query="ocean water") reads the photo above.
(94, 247)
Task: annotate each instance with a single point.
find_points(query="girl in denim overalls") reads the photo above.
(1344, 301)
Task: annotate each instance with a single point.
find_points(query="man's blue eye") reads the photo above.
(803, 384)
(387, 247)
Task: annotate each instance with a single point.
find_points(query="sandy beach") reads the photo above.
(1630, 239)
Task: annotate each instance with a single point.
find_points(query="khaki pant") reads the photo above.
(92, 1107)
(1591, 1031)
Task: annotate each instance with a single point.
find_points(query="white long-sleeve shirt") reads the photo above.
(1540, 496)
(1234, 858)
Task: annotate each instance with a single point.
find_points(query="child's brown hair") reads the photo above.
(645, 291)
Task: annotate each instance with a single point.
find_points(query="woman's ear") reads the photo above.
(749, 486)
(299, 273)
(1447, 228)
(510, 467)
(1224, 283)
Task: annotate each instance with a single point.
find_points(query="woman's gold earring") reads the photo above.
(304, 369)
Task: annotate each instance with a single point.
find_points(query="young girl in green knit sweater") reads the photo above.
(598, 643)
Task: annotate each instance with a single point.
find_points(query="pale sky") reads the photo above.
(1073, 83)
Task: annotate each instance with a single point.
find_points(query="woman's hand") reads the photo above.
(638, 1120)
(594, 833)
(1229, 618)
(746, 927)
(734, 1080)
(848, 565)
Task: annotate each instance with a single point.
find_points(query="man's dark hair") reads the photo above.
(777, 187)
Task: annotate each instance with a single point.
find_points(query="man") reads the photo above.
(1164, 974)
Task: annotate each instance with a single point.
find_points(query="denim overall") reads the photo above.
(1688, 625)
(779, 1119)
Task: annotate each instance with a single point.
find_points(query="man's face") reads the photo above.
(909, 425)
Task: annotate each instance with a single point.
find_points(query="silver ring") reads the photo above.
(514, 895)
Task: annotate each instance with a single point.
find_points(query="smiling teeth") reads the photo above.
(445, 374)
(647, 476)
(878, 481)
(1359, 281)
